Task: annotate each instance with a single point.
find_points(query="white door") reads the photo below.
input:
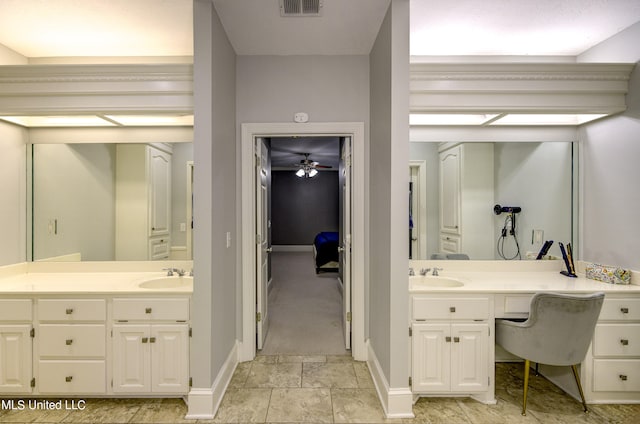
(345, 242)
(131, 356)
(160, 192)
(262, 242)
(15, 358)
(431, 357)
(169, 358)
(450, 191)
(470, 352)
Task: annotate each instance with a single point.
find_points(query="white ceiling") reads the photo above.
(46, 28)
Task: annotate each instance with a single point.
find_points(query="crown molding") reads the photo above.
(519, 87)
(55, 89)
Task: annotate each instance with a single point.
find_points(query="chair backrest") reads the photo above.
(561, 327)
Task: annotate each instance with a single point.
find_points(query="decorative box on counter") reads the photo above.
(608, 274)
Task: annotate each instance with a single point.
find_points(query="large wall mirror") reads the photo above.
(538, 177)
(110, 201)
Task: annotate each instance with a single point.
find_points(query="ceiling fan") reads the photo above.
(308, 168)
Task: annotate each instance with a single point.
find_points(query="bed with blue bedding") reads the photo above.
(325, 251)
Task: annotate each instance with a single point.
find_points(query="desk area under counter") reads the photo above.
(76, 329)
(452, 319)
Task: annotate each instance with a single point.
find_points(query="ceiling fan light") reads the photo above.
(300, 173)
(313, 172)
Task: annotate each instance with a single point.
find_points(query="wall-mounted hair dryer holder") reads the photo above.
(497, 209)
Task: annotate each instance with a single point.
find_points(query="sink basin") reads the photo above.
(426, 281)
(167, 283)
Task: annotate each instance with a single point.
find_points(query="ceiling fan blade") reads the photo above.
(324, 166)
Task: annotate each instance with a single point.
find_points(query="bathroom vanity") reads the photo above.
(67, 331)
(452, 337)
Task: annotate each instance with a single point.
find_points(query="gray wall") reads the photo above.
(389, 203)
(75, 185)
(13, 159)
(611, 149)
(302, 207)
(215, 294)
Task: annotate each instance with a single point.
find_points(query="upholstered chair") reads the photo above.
(558, 332)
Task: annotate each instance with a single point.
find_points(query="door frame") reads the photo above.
(420, 166)
(247, 347)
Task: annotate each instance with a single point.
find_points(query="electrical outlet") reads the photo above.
(538, 236)
(228, 239)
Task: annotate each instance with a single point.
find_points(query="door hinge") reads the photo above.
(190, 381)
(348, 316)
(190, 332)
(410, 382)
(259, 317)
(112, 383)
(32, 333)
(33, 382)
(410, 332)
(258, 239)
(488, 381)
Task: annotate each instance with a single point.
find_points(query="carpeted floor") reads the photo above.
(305, 309)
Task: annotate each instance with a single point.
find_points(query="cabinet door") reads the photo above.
(170, 358)
(159, 192)
(431, 357)
(15, 358)
(469, 357)
(131, 359)
(450, 191)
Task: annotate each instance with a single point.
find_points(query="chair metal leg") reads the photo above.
(575, 375)
(526, 386)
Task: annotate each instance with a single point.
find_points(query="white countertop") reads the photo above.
(80, 280)
(515, 277)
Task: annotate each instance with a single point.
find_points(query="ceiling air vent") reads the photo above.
(300, 7)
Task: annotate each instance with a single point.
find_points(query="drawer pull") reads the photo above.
(68, 378)
(69, 342)
(456, 339)
(623, 377)
(447, 339)
(69, 311)
(145, 339)
(452, 309)
(624, 342)
(624, 310)
(152, 340)
(147, 310)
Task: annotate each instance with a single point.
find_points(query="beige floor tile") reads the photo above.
(617, 414)
(339, 358)
(265, 359)
(243, 406)
(106, 411)
(358, 406)
(330, 375)
(302, 358)
(300, 406)
(437, 411)
(503, 412)
(167, 411)
(274, 375)
(363, 375)
(240, 375)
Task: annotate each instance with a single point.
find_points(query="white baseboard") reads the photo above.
(292, 248)
(397, 402)
(204, 402)
(178, 253)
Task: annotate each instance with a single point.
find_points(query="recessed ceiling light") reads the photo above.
(58, 121)
(547, 119)
(449, 119)
(152, 120)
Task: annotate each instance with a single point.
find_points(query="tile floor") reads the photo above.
(335, 389)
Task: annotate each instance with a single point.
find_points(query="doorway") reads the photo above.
(254, 282)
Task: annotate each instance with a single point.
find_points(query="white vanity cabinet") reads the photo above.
(466, 200)
(452, 345)
(15, 346)
(150, 345)
(612, 364)
(71, 345)
(143, 202)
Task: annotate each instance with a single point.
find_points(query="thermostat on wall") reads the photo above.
(300, 117)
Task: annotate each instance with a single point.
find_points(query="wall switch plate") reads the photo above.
(538, 236)
(183, 227)
(228, 239)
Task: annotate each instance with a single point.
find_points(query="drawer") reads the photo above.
(424, 308)
(449, 243)
(72, 340)
(616, 340)
(151, 309)
(621, 309)
(16, 310)
(512, 305)
(71, 310)
(159, 248)
(614, 375)
(81, 377)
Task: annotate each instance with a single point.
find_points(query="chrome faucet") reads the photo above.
(170, 271)
(435, 271)
(424, 271)
(411, 272)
